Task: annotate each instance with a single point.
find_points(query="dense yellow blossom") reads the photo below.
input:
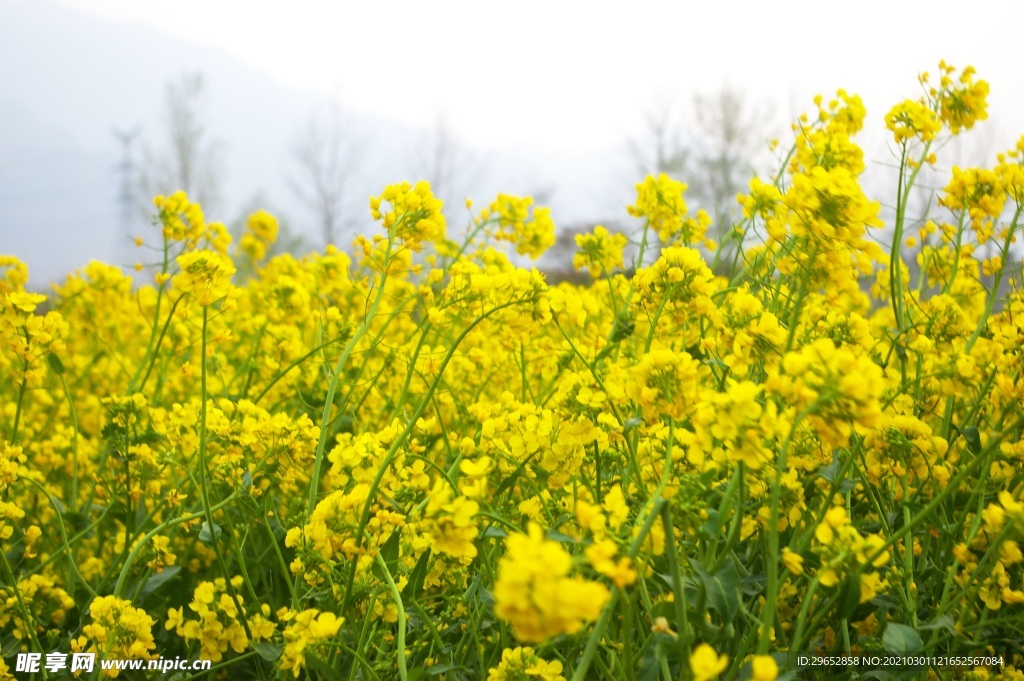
(414, 454)
(600, 252)
(519, 222)
(413, 214)
(117, 630)
(304, 631)
(535, 593)
(912, 119)
(523, 664)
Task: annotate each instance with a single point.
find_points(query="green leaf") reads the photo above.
(443, 668)
(649, 667)
(159, 579)
(75, 521)
(624, 327)
(476, 591)
(55, 364)
(893, 674)
(320, 669)
(711, 525)
(268, 651)
(849, 595)
(901, 352)
(9, 643)
(973, 438)
(389, 552)
(650, 663)
(753, 585)
(494, 532)
(206, 536)
(899, 638)
(722, 588)
(419, 572)
(276, 528)
(509, 482)
(560, 537)
(940, 622)
(829, 472)
(141, 513)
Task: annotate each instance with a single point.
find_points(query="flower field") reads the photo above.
(418, 460)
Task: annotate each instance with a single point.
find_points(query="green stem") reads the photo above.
(130, 560)
(403, 673)
(28, 622)
(772, 592)
(17, 412)
(204, 486)
(679, 594)
(951, 487)
(656, 502)
(389, 458)
(74, 443)
(993, 293)
(318, 460)
(72, 565)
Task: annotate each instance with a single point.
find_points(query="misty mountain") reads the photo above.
(71, 80)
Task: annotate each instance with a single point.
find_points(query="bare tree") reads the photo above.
(452, 169)
(327, 155)
(192, 161)
(661, 147)
(733, 139)
(715, 151)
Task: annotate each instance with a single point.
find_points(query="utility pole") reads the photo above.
(126, 195)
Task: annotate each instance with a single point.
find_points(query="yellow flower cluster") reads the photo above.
(376, 461)
(205, 275)
(262, 229)
(733, 427)
(450, 522)
(535, 593)
(304, 632)
(218, 623)
(912, 119)
(980, 194)
(519, 222)
(50, 605)
(660, 203)
(844, 551)
(183, 221)
(413, 214)
(600, 252)
(838, 390)
(962, 100)
(31, 338)
(117, 629)
(523, 664)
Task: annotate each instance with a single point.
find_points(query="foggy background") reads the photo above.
(307, 108)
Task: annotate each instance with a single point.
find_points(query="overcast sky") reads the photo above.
(547, 93)
(567, 75)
